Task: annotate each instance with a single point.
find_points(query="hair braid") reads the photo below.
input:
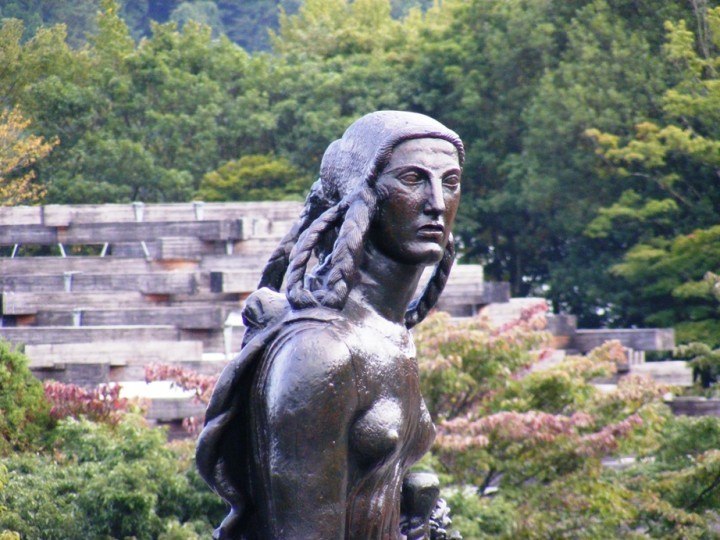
(348, 249)
(275, 268)
(420, 307)
(298, 296)
(274, 271)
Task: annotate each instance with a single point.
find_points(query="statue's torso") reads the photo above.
(392, 429)
(388, 428)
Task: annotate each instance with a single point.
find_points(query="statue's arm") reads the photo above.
(310, 399)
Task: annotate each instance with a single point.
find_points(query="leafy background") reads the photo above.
(591, 126)
(592, 178)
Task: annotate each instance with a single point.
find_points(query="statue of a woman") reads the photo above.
(312, 428)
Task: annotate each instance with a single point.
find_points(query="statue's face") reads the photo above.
(420, 192)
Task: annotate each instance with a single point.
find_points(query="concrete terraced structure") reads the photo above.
(97, 292)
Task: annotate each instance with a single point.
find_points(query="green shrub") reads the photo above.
(254, 178)
(540, 436)
(103, 481)
(481, 517)
(24, 411)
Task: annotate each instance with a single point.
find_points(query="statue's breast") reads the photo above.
(375, 434)
(392, 421)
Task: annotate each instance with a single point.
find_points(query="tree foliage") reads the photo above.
(18, 153)
(101, 481)
(253, 178)
(246, 23)
(525, 441)
(101, 404)
(114, 477)
(590, 125)
(24, 412)
(523, 447)
(148, 121)
(666, 219)
(669, 284)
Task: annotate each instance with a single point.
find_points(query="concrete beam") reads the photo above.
(113, 353)
(201, 316)
(30, 303)
(99, 233)
(169, 409)
(640, 339)
(155, 283)
(466, 273)
(136, 372)
(695, 406)
(28, 234)
(89, 265)
(477, 293)
(672, 372)
(36, 335)
(241, 281)
(64, 215)
(20, 215)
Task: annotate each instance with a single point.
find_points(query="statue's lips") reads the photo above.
(432, 231)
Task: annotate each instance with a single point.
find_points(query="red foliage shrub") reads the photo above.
(184, 378)
(100, 404)
(189, 380)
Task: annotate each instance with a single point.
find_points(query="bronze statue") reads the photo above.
(313, 426)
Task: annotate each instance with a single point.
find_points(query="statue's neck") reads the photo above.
(386, 285)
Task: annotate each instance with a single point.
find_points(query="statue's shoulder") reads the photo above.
(319, 337)
(317, 340)
(264, 308)
(307, 368)
(268, 310)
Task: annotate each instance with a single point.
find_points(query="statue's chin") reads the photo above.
(422, 253)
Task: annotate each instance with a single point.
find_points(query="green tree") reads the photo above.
(134, 121)
(248, 23)
(705, 362)
(77, 16)
(521, 81)
(522, 440)
(667, 277)
(149, 120)
(205, 12)
(665, 221)
(337, 61)
(24, 411)
(100, 481)
(253, 178)
(18, 153)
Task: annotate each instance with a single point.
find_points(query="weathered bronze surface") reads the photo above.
(313, 426)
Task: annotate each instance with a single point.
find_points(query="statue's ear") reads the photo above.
(262, 307)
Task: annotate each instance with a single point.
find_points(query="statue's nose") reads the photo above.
(434, 202)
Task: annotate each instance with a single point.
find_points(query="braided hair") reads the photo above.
(339, 211)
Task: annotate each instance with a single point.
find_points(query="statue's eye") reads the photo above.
(452, 181)
(410, 178)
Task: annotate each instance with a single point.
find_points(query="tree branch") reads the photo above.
(705, 492)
